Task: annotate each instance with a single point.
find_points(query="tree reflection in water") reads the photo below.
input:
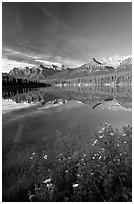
(92, 95)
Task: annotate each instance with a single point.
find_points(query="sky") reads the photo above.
(69, 33)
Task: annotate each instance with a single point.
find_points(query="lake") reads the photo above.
(36, 116)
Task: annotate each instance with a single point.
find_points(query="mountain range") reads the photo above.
(93, 67)
(114, 61)
(33, 73)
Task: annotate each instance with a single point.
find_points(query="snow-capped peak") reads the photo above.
(114, 61)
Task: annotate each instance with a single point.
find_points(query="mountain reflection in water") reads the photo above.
(67, 110)
(91, 95)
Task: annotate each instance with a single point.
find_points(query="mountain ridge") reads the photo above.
(93, 67)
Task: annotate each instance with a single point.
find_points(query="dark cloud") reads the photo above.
(66, 31)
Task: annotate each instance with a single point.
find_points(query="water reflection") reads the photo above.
(39, 124)
(91, 95)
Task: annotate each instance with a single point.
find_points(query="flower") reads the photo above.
(45, 156)
(49, 185)
(95, 141)
(100, 136)
(30, 197)
(118, 145)
(47, 180)
(75, 185)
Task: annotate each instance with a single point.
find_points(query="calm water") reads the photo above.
(37, 116)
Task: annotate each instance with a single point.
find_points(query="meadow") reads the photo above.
(75, 169)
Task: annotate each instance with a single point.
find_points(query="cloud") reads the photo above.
(14, 58)
(64, 32)
(48, 63)
(59, 61)
(8, 64)
(68, 62)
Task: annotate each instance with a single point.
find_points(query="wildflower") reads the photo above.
(95, 141)
(66, 171)
(47, 180)
(93, 157)
(75, 185)
(124, 135)
(78, 164)
(69, 157)
(118, 145)
(30, 197)
(84, 155)
(125, 142)
(33, 153)
(92, 173)
(99, 132)
(31, 157)
(45, 156)
(111, 133)
(100, 137)
(103, 129)
(49, 185)
(99, 157)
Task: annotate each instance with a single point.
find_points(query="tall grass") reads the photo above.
(75, 170)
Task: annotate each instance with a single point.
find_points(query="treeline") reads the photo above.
(10, 81)
(100, 79)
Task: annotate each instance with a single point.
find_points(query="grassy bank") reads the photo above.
(75, 170)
